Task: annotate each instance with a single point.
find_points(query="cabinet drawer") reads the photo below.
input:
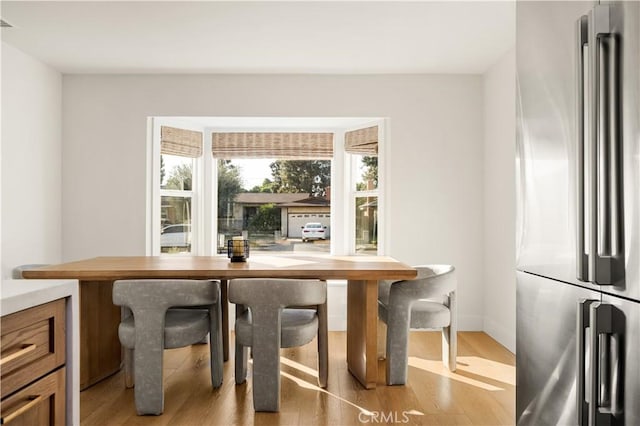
(32, 344)
(41, 403)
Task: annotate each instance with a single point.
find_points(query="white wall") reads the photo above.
(31, 161)
(499, 201)
(435, 193)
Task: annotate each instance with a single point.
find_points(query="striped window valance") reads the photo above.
(182, 142)
(272, 145)
(362, 141)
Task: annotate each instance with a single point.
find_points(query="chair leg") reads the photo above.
(397, 345)
(449, 348)
(241, 355)
(129, 368)
(128, 361)
(450, 335)
(266, 359)
(215, 345)
(323, 346)
(149, 390)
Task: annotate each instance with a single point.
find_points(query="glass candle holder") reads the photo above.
(238, 250)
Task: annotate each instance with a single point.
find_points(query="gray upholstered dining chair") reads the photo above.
(263, 323)
(426, 302)
(16, 273)
(148, 327)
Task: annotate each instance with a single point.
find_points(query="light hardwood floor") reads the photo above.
(480, 392)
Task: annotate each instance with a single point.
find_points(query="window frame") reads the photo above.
(352, 165)
(154, 206)
(204, 192)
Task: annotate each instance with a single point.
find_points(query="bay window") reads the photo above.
(203, 195)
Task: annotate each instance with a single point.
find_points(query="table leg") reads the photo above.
(225, 319)
(100, 351)
(362, 331)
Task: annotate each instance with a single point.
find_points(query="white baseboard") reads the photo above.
(506, 336)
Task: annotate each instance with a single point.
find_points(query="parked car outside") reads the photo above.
(313, 231)
(178, 235)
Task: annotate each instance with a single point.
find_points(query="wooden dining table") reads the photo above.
(100, 350)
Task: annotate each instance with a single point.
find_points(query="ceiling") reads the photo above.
(262, 37)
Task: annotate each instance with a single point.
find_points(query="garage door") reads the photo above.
(298, 220)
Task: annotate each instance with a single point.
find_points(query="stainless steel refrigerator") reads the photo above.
(578, 167)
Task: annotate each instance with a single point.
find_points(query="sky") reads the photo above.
(253, 171)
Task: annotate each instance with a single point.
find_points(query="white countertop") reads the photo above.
(16, 295)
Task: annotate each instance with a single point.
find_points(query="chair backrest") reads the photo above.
(432, 281)
(17, 271)
(164, 293)
(277, 292)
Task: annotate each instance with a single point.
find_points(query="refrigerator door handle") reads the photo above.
(605, 259)
(582, 33)
(581, 373)
(616, 374)
(601, 325)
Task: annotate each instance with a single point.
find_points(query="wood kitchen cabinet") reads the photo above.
(32, 362)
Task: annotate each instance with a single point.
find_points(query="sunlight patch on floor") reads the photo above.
(494, 370)
(310, 386)
(306, 385)
(491, 370)
(298, 366)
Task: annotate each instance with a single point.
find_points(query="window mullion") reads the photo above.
(208, 191)
(176, 193)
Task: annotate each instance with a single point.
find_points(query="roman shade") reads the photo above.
(362, 141)
(182, 142)
(272, 145)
